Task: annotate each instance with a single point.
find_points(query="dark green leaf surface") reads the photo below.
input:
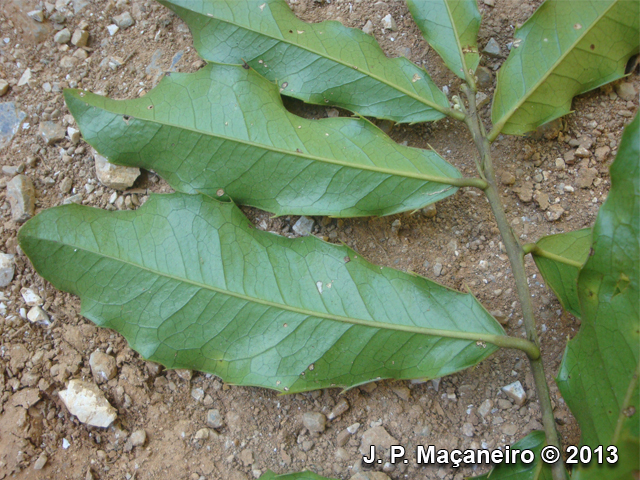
(560, 277)
(225, 128)
(323, 63)
(451, 28)
(599, 372)
(537, 470)
(190, 284)
(566, 48)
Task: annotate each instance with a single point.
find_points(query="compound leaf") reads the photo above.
(566, 48)
(323, 63)
(190, 283)
(557, 258)
(599, 372)
(224, 129)
(451, 28)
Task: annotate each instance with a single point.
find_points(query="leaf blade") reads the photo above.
(451, 28)
(203, 133)
(561, 277)
(324, 63)
(160, 274)
(599, 372)
(546, 70)
(537, 470)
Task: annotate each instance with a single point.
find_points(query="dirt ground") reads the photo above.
(459, 246)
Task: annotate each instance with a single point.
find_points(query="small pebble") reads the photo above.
(314, 421)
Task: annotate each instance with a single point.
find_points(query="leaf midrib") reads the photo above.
(471, 336)
(387, 171)
(457, 37)
(433, 105)
(498, 127)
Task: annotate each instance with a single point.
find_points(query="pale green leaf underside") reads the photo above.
(537, 470)
(323, 63)
(598, 374)
(566, 48)
(190, 284)
(451, 28)
(560, 277)
(225, 128)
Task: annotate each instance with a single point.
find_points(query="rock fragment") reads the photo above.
(87, 402)
(602, 153)
(515, 392)
(376, 436)
(314, 421)
(554, 212)
(24, 79)
(389, 23)
(7, 268)
(341, 407)
(42, 459)
(586, 176)
(138, 438)
(63, 36)
(4, 87)
(124, 20)
(37, 15)
(51, 132)
(485, 78)
(30, 297)
(214, 418)
(22, 196)
(39, 316)
(80, 37)
(492, 48)
(368, 27)
(103, 366)
(113, 176)
(626, 91)
(303, 226)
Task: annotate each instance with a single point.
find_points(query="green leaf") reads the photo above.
(537, 470)
(599, 372)
(269, 475)
(191, 284)
(224, 129)
(323, 63)
(559, 259)
(566, 48)
(451, 28)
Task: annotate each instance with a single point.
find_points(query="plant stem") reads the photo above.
(515, 253)
(536, 250)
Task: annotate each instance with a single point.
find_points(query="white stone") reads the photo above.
(30, 297)
(87, 402)
(368, 27)
(113, 176)
(36, 15)
(112, 29)
(24, 79)
(73, 134)
(7, 269)
(138, 438)
(63, 36)
(516, 392)
(389, 23)
(303, 226)
(38, 315)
